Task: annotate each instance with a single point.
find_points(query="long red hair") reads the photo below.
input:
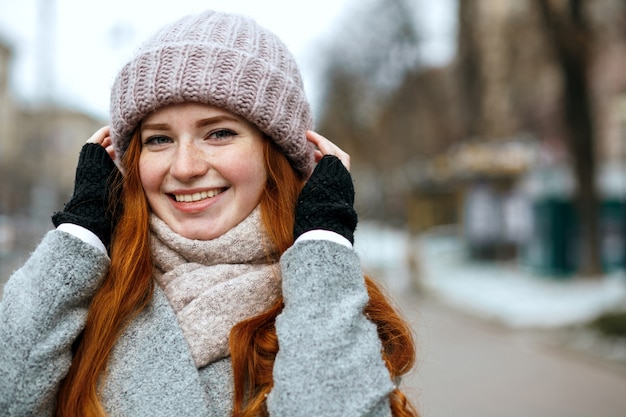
(128, 287)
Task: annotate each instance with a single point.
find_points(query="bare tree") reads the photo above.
(569, 33)
(367, 63)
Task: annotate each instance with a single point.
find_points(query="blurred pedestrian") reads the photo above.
(204, 264)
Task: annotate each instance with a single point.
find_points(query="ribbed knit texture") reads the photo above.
(224, 60)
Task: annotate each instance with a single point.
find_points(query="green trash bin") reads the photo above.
(553, 248)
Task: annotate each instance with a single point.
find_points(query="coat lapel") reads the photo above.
(151, 372)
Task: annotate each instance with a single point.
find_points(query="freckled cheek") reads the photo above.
(150, 175)
(250, 174)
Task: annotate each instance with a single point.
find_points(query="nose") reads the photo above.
(189, 162)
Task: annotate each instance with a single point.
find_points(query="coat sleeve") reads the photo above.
(43, 309)
(329, 361)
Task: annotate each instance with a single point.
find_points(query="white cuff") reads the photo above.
(324, 235)
(83, 234)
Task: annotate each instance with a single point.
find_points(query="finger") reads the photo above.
(318, 155)
(107, 142)
(111, 151)
(323, 144)
(99, 136)
(326, 147)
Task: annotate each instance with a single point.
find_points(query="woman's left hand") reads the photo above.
(326, 147)
(326, 201)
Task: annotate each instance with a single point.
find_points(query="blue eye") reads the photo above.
(157, 140)
(222, 134)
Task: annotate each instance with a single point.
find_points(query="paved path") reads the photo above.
(472, 368)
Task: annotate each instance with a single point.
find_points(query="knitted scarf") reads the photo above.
(213, 285)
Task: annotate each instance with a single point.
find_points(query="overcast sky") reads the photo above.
(87, 42)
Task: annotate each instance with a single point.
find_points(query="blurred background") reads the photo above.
(488, 140)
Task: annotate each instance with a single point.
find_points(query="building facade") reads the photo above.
(39, 148)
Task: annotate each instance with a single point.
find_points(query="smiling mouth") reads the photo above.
(192, 198)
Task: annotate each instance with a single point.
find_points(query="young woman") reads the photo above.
(213, 273)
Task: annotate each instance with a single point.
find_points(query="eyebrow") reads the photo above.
(217, 119)
(200, 123)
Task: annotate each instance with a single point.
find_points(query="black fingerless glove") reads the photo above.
(327, 200)
(94, 187)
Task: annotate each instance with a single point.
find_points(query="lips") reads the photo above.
(197, 196)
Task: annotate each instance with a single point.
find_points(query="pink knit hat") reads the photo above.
(225, 60)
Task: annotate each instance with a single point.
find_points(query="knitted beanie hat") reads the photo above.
(224, 60)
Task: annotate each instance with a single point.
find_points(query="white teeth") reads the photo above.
(189, 198)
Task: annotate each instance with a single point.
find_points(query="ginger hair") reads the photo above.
(125, 291)
(128, 286)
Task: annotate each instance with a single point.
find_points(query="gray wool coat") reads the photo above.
(329, 363)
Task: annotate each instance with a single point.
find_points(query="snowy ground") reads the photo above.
(507, 293)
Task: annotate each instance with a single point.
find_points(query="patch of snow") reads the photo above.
(504, 292)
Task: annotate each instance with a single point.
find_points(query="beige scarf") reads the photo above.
(213, 285)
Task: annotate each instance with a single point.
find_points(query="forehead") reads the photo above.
(190, 110)
(193, 114)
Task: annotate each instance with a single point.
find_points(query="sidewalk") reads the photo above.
(494, 340)
(469, 367)
(499, 293)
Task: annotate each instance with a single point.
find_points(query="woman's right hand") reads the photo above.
(95, 204)
(102, 137)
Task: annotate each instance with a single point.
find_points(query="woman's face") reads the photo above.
(202, 168)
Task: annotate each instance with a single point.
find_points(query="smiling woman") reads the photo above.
(202, 168)
(204, 264)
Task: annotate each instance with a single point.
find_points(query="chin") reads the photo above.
(200, 232)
